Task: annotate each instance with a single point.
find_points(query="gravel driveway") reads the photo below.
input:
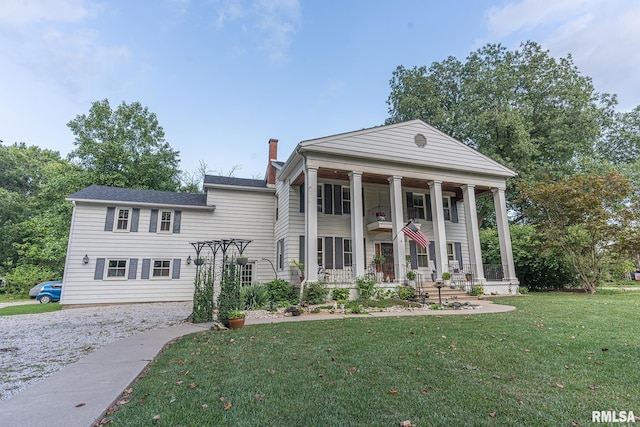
(33, 346)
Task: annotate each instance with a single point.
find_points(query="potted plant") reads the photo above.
(236, 319)
(381, 216)
(411, 277)
(198, 261)
(446, 278)
(241, 260)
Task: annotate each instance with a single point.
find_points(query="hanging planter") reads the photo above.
(242, 260)
(198, 261)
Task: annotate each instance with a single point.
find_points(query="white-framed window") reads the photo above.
(319, 198)
(423, 256)
(320, 252)
(446, 208)
(161, 268)
(117, 268)
(123, 219)
(451, 253)
(347, 251)
(346, 200)
(418, 207)
(165, 221)
(246, 274)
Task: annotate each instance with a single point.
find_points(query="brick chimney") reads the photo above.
(273, 155)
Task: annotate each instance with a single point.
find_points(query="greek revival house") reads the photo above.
(335, 205)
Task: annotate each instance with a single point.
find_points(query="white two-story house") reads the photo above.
(333, 205)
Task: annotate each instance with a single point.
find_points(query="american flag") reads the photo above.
(415, 234)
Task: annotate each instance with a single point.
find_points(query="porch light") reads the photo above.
(189, 260)
(85, 259)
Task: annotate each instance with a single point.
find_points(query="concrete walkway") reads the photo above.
(80, 393)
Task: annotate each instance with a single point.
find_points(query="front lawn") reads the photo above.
(551, 362)
(29, 309)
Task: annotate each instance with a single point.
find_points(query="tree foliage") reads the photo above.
(124, 147)
(529, 111)
(593, 219)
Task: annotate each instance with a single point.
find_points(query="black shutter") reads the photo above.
(454, 209)
(458, 249)
(410, 211)
(99, 273)
(177, 218)
(339, 253)
(176, 269)
(108, 222)
(364, 249)
(413, 251)
(153, 221)
(135, 218)
(328, 199)
(328, 252)
(363, 211)
(337, 199)
(301, 250)
(427, 201)
(432, 251)
(133, 268)
(302, 197)
(146, 266)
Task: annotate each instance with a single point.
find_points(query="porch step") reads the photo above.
(446, 292)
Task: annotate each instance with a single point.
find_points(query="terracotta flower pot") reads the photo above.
(236, 322)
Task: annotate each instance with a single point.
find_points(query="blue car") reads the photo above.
(49, 293)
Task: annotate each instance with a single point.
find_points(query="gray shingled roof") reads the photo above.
(240, 182)
(101, 192)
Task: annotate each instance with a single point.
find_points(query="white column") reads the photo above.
(504, 236)
(357, 230)
(439, 233)
(311, 224)
(397, 222)
(473, 231)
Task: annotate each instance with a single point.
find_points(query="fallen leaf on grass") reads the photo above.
(259, 397)
(205, 406)
(180, 383)
(592, 386)
(193, 385)
(393, 391)
(271, 371)
(156, 418)
(497, 377)
(512, 377)
(227, 405)
(574, 423)
(492, 414)
(559, 385)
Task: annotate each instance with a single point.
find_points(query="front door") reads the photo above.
(386, 250)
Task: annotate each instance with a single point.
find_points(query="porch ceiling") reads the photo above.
(343, 175)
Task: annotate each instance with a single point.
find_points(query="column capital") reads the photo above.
(498, 189)
(469, 186)
(355, 173)
(434, 183)
(394, 178)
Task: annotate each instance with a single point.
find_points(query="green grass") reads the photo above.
(29, 309)
(552, 361)
(12, 298)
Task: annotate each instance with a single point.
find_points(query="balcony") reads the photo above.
(379, 218)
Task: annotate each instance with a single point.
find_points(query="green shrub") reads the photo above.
(254, 297)
(366, 286)
(523, 290)
(405, 292)
(25, 276)
(315, 293)
(340, 294)
(280, 290)
(202, 310)
(381, 293)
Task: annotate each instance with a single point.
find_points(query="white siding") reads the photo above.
(89, 238)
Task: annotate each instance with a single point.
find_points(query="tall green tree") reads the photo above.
(593, 219)
(530, 111)
(124, 147)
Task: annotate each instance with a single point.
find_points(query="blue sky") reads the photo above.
(224, 76)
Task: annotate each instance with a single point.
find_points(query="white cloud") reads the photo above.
(602, 37)
(275, 22)
(22, 12)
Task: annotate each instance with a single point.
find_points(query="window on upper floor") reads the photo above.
(446, 208)
(346, 200)
(166, 218)
(123, 221)
(319, 198)
(416, 206)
